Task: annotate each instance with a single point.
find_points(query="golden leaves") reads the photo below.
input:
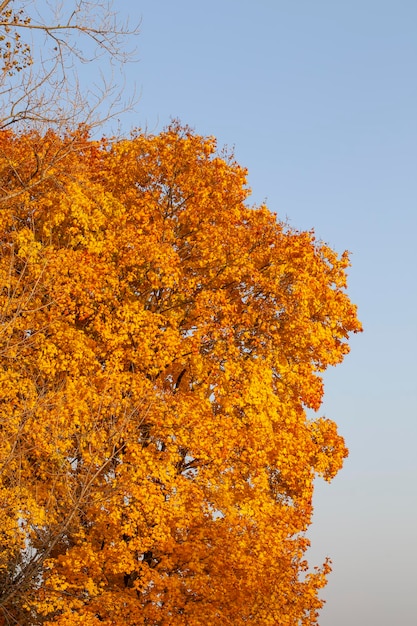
(160, 342)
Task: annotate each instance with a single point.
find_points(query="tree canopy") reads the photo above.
(161, 342)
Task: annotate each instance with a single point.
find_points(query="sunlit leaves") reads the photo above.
(160, 344)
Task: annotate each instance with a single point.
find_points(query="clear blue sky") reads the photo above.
(319, 100)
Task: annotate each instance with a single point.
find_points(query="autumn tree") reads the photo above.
(160, 344)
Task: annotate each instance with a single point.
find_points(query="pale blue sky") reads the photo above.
(319, 100)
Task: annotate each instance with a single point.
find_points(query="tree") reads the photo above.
(43, 49)
(160, 343)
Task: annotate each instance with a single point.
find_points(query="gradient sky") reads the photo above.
(319, 101)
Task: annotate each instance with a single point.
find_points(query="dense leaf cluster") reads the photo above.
(160, 342)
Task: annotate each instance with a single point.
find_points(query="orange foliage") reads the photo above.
(160, 342)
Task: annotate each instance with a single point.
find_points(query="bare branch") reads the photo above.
(3, 5)
(42, 80)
